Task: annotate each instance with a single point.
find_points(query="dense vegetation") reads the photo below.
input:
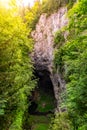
(72, 56)
(16, 69)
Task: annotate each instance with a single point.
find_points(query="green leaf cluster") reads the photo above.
(51, 6)
(73, 58)
(32, 15)
(61, 122)
(16, 69)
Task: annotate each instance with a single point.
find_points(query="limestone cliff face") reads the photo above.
(43, 49)
(44, 35)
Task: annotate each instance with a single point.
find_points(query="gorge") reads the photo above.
(43, 65)
(46, 98)
(43, 50)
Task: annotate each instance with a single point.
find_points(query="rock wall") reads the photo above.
(43, 49)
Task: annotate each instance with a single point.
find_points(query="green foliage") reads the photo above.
(59, 38)
(16, 70)
(38, 122)
(32, 15)
(51, 6)
(61, 122)
(73, 58)
(71, 3)
(59, 41)
(42, 127)
(45, 102)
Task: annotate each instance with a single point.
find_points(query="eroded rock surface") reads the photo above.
(43, 36)
(43, 49)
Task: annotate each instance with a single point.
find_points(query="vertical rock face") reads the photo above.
(43, 49)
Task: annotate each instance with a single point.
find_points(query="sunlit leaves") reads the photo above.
(16, 68)
(33, 14)
(73, 57)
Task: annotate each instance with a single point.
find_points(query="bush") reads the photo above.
(61, 122)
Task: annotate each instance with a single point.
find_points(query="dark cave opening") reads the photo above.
(45, 82)
(33, 107)
(42, 99)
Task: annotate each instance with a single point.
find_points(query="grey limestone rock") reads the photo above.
(42, 55)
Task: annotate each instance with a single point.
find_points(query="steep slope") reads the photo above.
(43, 49)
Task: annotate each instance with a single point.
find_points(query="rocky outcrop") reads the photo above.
(59, 87)
(43, 49)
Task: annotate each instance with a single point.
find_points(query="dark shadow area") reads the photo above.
(42, 113)
(44, 82)
(32, 107)
(42, 100)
